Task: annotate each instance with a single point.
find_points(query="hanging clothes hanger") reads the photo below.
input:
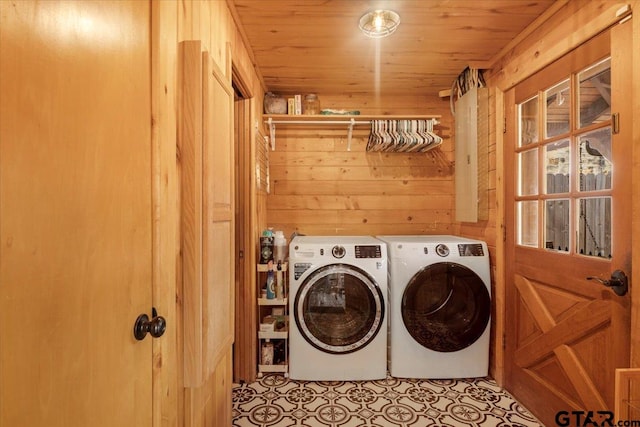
(402, 136)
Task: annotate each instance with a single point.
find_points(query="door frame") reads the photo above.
(165, 189)
(245, 358)
(635, 191)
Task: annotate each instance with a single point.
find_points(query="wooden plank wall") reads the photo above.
(320, 188)
(212, 24)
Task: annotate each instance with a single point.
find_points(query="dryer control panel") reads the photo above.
(368, 251)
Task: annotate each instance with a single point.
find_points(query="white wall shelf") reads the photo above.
(274, 335)
(274, 301)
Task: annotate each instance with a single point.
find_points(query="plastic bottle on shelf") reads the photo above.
(271, 282)
(266, 246)
(279, 247)
(279, 282)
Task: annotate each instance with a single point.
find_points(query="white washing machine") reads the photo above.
(338, 293)
(440, 307)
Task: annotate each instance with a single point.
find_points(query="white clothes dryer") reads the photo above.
(338, 293)
(440, 307)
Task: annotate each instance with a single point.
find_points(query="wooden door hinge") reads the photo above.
(504, 125)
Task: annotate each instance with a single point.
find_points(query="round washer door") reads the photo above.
(446, 307)
(339, 308)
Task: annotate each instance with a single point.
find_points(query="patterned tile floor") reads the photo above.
(276, 401)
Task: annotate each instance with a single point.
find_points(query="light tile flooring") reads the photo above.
(276, 401)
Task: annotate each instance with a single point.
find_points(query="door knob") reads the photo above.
(156, 326)
(619, 282)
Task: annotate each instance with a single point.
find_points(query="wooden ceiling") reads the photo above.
(305, 46)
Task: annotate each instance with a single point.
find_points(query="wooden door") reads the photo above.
(568, 218)
(218, 211)
(75, 213)
(205, 142)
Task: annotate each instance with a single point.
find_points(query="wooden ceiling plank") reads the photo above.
(319, 39)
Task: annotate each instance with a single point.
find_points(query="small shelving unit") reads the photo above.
(278, 338)
(349, 121)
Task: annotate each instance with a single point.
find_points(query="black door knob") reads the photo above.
(156, 326)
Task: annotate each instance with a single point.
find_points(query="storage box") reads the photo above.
(268, 324)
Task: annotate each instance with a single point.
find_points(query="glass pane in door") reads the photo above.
(557, 223)
(528, 223)
(558, 109)
(557, 166)
(594, 94)
(595, 165)
(594, 227)
(528, 172)
(528, 122)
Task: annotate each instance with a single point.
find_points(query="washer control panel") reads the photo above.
(299, 268)
(368, 251)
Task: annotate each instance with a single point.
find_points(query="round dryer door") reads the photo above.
(339, 308)
(446, 307)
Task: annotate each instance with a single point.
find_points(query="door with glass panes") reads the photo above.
(568, 226)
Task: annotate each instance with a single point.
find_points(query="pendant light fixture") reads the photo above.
(379, 23)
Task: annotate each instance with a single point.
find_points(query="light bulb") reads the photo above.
(378, 21)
